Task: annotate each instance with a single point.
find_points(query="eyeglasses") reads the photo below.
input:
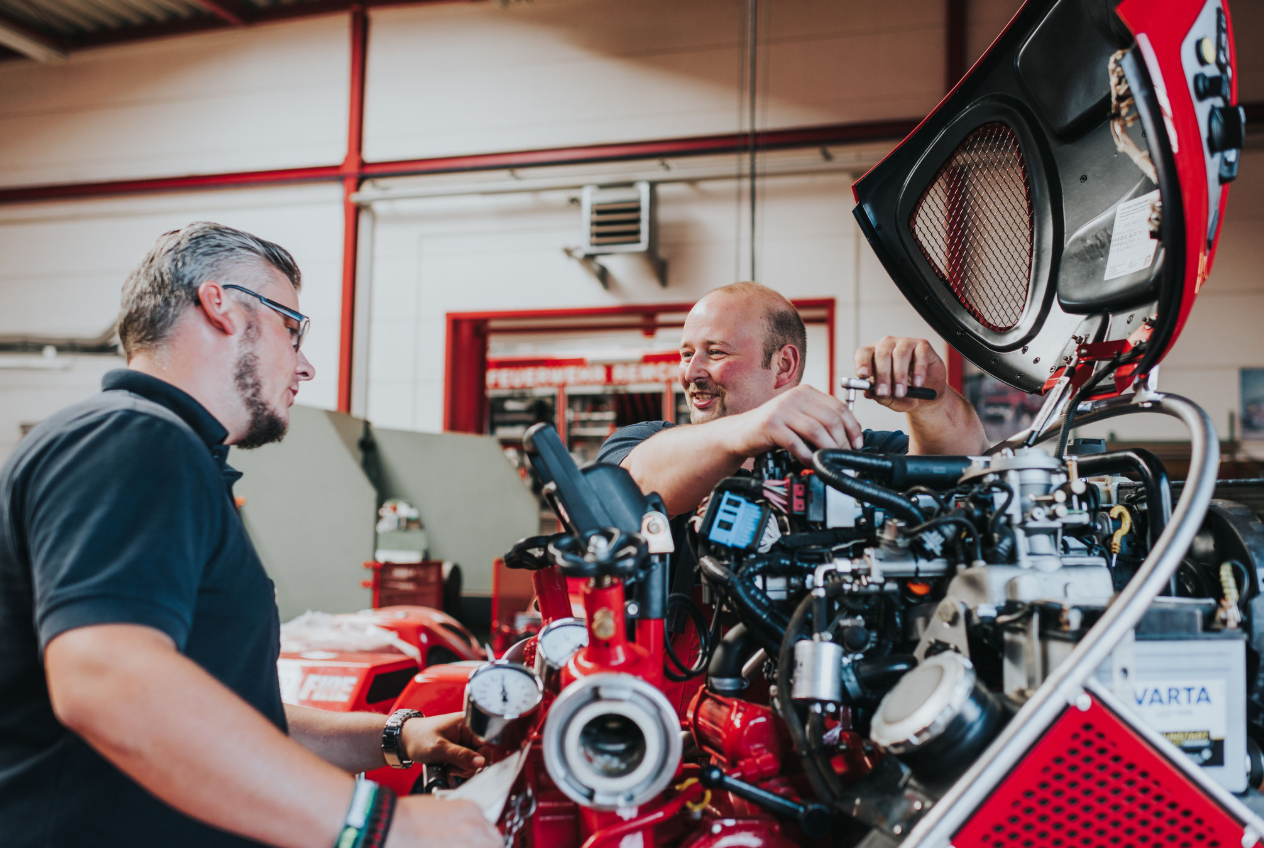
(296, 333)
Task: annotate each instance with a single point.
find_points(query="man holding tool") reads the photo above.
(741, 363)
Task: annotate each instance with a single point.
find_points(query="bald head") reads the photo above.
(741, 346)
(782, 324)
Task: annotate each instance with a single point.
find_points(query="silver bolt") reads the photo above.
(1083, 702)
(633, 608)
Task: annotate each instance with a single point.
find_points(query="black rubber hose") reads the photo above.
(873, 463)
(705, 641)
(1153, 476)
(1003, 549)
(958, 520)
(731, 653)
(752, 603)
(867, 680)
(892, 501)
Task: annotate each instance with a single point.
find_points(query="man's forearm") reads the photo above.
(350, 741)
(179, 733)
(683, 464)
(947, 427)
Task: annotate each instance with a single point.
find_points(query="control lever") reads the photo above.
(814, 818)
(855, 384)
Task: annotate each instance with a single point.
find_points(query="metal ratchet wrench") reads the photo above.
(854, 384)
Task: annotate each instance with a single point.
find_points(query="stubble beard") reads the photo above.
(702, 416)
(265, 424)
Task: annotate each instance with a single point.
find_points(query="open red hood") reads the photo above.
(1034, 219)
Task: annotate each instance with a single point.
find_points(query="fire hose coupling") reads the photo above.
(612, 741)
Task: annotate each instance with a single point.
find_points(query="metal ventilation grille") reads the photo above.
(616, 220)
(1093, 782)
(974, 226)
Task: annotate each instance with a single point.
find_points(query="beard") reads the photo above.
(265, 425)
(702, 416)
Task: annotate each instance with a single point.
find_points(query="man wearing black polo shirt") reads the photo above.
(138, 630)
(741, 363)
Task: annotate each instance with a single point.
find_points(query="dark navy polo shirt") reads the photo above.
(624, 440)
(119, 510)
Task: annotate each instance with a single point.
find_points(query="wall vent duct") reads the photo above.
(618, 219)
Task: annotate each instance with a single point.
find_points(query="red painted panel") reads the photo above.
(1093, 782)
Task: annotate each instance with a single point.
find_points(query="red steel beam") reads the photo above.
(352, 167)
(698, 145)
(221, 11)
(160, 185)
(688, 146)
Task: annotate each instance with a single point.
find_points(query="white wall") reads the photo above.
(64, 264)
(437, 256)
(567, 72)
(468, 78)
(236, 100)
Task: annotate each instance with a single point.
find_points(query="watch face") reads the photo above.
(558, 642)
(505, 690)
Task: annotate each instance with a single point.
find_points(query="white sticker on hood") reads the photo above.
(1131, 247)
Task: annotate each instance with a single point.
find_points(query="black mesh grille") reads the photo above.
(974, 226)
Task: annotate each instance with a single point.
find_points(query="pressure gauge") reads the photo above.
(497, 696)
(556, 644)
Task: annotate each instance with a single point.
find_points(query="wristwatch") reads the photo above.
(391, 748)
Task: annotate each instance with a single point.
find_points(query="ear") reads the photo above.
(222, 314)
(785, 365)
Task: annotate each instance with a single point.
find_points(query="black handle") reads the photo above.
(920, 393)
(814, 818)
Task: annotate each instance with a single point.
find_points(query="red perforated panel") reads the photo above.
(1092, 782)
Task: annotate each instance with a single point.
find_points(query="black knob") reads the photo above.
(601, 552)
(1207, 86)
(1226, 128)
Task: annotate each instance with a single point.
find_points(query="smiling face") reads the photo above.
(268, 368)
(722, 357)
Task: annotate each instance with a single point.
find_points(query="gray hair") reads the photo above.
(167, 279)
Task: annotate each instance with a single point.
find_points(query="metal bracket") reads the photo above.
(591, 265)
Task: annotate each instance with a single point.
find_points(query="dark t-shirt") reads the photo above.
(622, 441)
(120, 510)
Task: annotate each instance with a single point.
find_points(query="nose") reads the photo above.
(305, 369)
(693, 369)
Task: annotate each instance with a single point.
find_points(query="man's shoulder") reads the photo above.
(622, 441)
(115, 421)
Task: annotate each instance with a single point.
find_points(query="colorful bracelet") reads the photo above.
(368, 816)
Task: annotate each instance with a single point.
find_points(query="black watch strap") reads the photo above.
(392, 750)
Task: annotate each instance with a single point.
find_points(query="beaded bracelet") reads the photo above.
(368, 816)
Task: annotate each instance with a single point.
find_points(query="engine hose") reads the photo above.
(859, 461)
(825, 782)
(956, 520)
(706, 641)
(893, 502)
(1153, 476)
(729, 655)
(1003, 549)
(754, 604)
(867, 680)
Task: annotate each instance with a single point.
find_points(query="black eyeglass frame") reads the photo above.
(304, 323)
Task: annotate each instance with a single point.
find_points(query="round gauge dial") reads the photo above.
(505, 690)
(558, 642)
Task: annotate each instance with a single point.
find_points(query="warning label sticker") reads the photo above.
(1131, 248)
